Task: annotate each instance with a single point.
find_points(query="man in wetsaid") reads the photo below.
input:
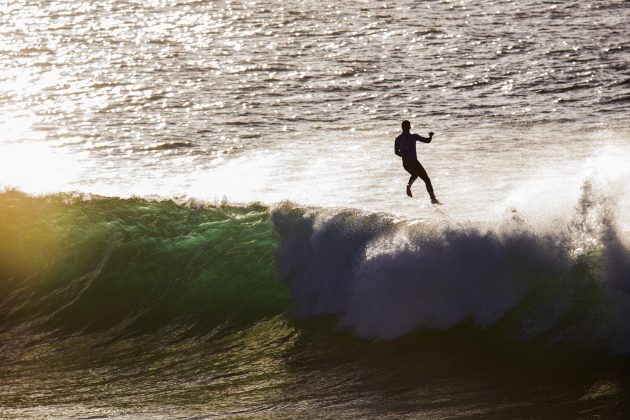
(405, 147)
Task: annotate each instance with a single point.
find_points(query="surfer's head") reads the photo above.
(406, 126)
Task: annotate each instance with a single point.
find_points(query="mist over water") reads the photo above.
(202, 213)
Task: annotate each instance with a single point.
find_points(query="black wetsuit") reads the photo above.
(405, 147)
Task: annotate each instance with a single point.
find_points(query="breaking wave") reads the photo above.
(76, 264)
(384, 278)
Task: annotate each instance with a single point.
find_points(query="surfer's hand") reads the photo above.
(431, 133)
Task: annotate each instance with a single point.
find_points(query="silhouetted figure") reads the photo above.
(405, 147)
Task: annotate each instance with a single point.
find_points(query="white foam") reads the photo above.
(385, 278)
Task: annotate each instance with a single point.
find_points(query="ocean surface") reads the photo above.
(201, 212)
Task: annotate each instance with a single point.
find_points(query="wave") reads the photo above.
(78, 264)
(385, 278)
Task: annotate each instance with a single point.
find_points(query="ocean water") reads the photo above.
(202, 215)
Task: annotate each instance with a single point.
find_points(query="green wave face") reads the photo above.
(72, 264)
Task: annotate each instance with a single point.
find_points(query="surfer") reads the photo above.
(405, 147)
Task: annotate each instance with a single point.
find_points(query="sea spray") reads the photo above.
(567, 284)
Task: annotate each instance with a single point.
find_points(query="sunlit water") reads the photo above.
(264, 101)
(256, 101)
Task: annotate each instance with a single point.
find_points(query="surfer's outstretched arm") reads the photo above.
(425, 139)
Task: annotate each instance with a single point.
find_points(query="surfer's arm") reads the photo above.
(425, 139)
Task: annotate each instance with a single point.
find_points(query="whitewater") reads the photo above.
(201, 212)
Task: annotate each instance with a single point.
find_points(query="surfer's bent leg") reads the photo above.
(425, 177)
(410, 167)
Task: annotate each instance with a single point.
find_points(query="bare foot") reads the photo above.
(435, 201)
(409, 191)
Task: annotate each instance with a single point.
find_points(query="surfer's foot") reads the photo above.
(435, 201)
(409, 191)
